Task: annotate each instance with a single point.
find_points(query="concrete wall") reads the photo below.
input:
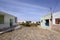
(7, 18)
(56, 27)
(43, 21)
(55, 15)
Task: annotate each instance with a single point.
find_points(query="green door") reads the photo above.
(1, 19)
(11, 22)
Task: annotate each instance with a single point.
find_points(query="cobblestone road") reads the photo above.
(30, 33)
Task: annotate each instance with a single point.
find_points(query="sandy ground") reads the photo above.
(30, 33)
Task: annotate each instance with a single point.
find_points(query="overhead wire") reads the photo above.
(55, 6)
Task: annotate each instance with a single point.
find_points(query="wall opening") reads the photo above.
(15, 19)
(57, 20)
(47, 22)
(11, 22)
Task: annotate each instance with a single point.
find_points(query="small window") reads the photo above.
(1, 19)
(15, 19)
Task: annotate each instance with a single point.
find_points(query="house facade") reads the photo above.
(7, 20)
(50, 20)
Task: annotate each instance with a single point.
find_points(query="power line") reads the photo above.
(52, 9)
(57, 2)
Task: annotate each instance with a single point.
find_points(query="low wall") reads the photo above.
(3, 26)
(56, 28)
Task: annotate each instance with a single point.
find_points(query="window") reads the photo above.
(15, 19)
(57, 21)
(1, 19)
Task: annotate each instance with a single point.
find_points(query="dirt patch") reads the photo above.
(31, 33)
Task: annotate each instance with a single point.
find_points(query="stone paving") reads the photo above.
(30, 33)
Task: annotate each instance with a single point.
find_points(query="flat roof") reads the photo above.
(4, 13)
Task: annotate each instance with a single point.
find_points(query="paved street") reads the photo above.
(30, 33)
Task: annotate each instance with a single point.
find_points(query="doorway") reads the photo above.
(11, 22)
(47, 22)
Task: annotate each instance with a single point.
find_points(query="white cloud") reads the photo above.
(22, 10)
(16, 3)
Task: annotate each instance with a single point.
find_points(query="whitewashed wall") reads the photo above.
(56, 15)
(43, 21)
(7, 18)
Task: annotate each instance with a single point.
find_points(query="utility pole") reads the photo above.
(51, 25)
(51, 11)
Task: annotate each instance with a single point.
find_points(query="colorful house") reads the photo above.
(50, 20)
(7, 20)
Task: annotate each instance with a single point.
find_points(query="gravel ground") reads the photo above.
(30, 33)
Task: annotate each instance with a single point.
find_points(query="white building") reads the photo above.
(56, 18)
(7, 20)
(46, 21)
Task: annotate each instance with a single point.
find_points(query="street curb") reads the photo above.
(10, 30)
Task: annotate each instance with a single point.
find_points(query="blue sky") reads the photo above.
(30, 10)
